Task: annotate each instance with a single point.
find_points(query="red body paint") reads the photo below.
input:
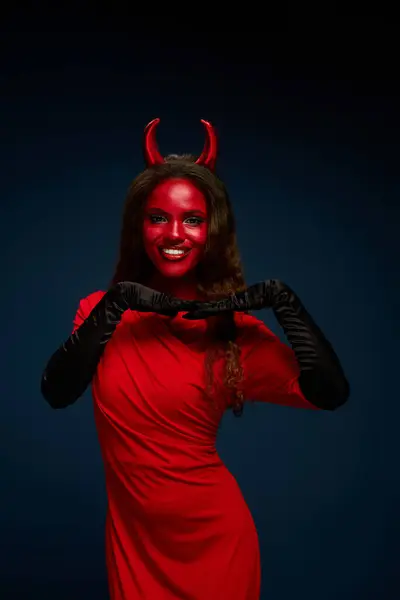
(175, 228)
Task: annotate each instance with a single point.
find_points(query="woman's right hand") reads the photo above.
(135, 296)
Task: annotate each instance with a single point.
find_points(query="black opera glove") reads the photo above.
(266, 294)
(321, 379)
(72, 367)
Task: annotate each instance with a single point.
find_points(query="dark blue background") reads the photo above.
(309, 151)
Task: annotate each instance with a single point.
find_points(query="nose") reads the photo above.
(175, 232)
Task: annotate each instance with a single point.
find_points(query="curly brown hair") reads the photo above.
(220, 272)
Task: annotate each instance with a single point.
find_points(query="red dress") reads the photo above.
(177, 526)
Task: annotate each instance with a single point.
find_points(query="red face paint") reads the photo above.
(175, 227)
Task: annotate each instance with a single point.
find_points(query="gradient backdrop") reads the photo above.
(309, 153)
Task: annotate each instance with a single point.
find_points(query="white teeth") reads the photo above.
(173, 251)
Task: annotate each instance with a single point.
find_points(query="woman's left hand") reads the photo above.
(266, 294)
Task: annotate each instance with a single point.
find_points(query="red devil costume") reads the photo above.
(177, 525)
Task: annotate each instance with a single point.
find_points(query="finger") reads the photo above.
(211, 309)
(207, 309)
(168, 313)
(193, 316)
(196, 315)
(170, 306)
(188, 305)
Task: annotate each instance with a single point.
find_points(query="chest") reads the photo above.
(151, 371)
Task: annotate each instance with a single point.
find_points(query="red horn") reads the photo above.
(152, 155)
(208, 157)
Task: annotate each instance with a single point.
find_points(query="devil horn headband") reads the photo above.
(153, 157)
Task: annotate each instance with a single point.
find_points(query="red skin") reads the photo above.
(175, 217)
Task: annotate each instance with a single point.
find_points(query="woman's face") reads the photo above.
(175, 227)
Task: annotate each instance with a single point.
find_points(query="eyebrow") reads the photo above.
(154, 209)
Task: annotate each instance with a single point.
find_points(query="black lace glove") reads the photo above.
(322, 380)
(72, 367)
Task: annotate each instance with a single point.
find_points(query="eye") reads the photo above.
(194, 221)
(157, 219)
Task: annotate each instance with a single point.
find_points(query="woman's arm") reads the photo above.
(271, 370)
(71, 368)
(73, 365)
(320, 376)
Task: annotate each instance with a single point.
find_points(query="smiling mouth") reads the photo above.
(174, 253)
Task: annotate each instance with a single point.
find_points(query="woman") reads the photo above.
(168, 348)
